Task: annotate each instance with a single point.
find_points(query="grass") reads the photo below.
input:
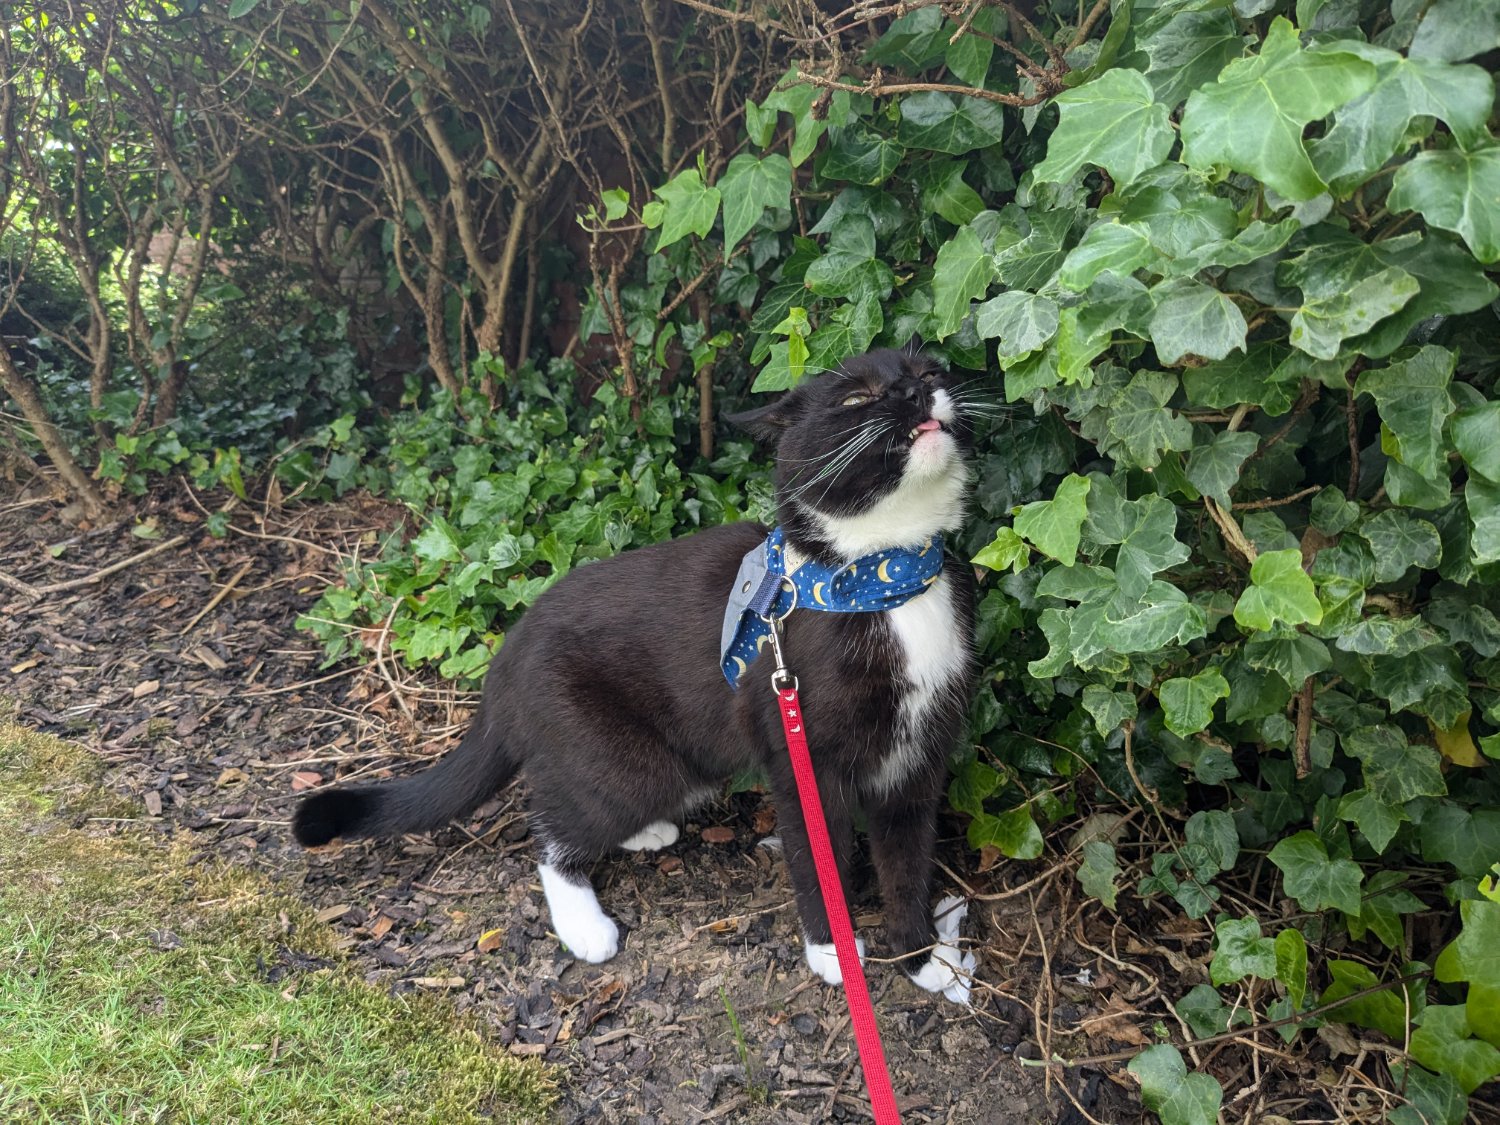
(136, 986)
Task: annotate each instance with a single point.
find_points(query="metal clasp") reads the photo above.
(782, 678)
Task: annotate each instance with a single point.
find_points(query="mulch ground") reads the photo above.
(213, 716)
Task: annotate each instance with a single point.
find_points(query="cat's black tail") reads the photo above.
(461, 780)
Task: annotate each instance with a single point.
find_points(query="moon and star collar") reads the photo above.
(764, 587)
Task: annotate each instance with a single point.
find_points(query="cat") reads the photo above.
(609, 692)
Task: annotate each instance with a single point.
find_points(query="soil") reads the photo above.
(214, 725)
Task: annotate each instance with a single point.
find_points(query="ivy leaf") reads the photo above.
(1187, 49)
(1398, 542)
(616, 203)
(1252, 119)
(1014, 833)
(931, 119)
(1023, 321)
(1053, 526)
(1252, 377)
(1214, 468)
(1394, 771)
(1474, 436)
(1322, 323)
(1141, 425)
(858, 154)
(969, 58)
(1418, 679)
(1454, 190)
(1109, 709)
(1371, 129)
(1194, 319)
(1443, 1043)
(1291, 655)
(689, 207)
(1177, 1097)
(1115, 122)
(748, 187)
(1385, 1011)
(963, 271)
(945, 192)
(1149, 543)
(1414, 404)
(849, 268)
(1482, 500)
(1007, 551)
(1280, 590)
(1106, 246)
(1468, 840)
(1453, 30)
(1030, 262)
(1240, 951)
(1207, 1014)
(1314, 880)
(439, 542)
(1098, 872)
(1291, 965)
(1188, 702)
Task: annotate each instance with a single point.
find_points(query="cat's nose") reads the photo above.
(910, 390)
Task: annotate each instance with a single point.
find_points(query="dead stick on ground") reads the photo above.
(217, 598)
(35, 592)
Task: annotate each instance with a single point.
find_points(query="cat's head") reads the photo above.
(868, 456)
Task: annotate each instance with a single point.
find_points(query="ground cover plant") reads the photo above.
(1225, 277)
(139, 985)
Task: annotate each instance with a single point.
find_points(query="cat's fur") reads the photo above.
(610, 696)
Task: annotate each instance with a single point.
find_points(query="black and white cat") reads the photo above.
(609, 692)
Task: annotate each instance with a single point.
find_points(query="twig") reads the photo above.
(876, 89)
(217, 598)
(1278, 501)
(1302, 752)
(1153, 798)
(1351, 420)
(1234, 535)
(35, 592)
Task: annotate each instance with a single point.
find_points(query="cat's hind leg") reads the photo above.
(577, 918)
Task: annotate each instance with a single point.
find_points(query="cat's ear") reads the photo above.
(769, 422)
(914, 345)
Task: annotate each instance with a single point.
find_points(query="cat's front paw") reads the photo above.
(592, 939)
(949, 970)
(823, 959)
(655, 836)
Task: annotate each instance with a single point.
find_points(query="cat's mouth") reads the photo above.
(931, 426)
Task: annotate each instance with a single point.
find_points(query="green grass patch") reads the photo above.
(136, 986)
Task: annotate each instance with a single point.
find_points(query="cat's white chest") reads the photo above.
(932, 657)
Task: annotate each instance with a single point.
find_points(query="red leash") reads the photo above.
(861, 1011)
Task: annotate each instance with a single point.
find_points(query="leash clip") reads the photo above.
(781, 679)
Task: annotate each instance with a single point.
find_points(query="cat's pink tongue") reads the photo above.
(930, 424)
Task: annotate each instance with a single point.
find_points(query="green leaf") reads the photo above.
(858, 154)
(1252, 377)
(1252, 119)
(1371, 129)
(1194, 319)
(1177, 1097)
(748, 187)
(1444, 1043)
(1140, 424)
(1240, 951)
(1031, 262)
(1106, 246)
(1053, 526)
(1109, 709)
(1291, 965)
(849, 267)
(616, 204)
(963, 272)
(1291, 655)
(1333, 512)
(1376, 819)
(1148, 544)
(1114, 122)
(1023, 321)
(438, 542)
(945, 192)
(1214, 468)
(1187, 49)
(1206, 1013)
(1475, 433)
(1395, 772)
(689, 207)
(969, 58)
(1014, 833)
(1400, 541)
(1453, 30)
(1314, 880)
(955, 124)
(1280, 590)
(1098, 872)
(1322, 323)
(238, 8)
(1468, 840)
(1384, 1011)
(1457, 191)
(1188, 702)
(1482, 499)
(1435, 1098)
(1213, 843)
(1414, 402)
(1006, 551)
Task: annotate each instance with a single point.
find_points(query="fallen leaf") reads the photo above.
(153, 802)
(989, 857)
(489, 941)
(764, 821)
(306, 779)
(145, 687)
(668, 864)
(232, 776)
(381, 926)
(1114, 1022)
(717, 835)
(333, 913)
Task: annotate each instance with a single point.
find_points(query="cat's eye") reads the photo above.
(929, 375)
(857, 399)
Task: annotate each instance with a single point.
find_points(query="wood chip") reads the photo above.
(527, 1050)
(25, 665)
(232, 776)
(717, 835)
(208, 658)
(441, 982)
(145, 687)
(489, 941)
(333, 913)
(381, 926)
(153, 802)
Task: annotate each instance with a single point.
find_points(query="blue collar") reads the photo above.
(869, 584)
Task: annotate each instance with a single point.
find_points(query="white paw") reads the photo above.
(577, 919)
(656, 835)
(823, 960)
(950, 968)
